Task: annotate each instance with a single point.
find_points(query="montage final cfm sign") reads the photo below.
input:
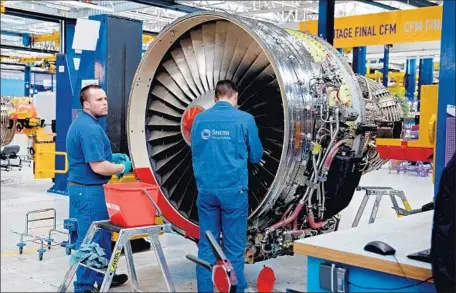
(396, 27)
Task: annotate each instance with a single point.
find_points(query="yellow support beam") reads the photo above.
(2, 6)
(37, 59)
(54, 37)
(47, 63)
(27, 59)
(8, 59)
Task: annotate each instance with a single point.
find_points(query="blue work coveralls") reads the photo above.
(87, 142)
(223, 140)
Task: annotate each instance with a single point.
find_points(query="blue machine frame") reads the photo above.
(386, 51)
(326, 20)
(359, 60)
(447, 92)
(27, 81)
(119, 55)
(65, 80)
(411, 79)
(426, 75)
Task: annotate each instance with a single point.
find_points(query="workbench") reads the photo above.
(345, 249)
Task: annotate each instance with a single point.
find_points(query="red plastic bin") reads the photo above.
(129, 206)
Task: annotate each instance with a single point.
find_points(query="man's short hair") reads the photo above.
(225, 88)
(83, 94)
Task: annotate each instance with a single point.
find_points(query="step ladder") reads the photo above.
(379, 192)
(123, 241)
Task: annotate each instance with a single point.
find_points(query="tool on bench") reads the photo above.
(223, 274)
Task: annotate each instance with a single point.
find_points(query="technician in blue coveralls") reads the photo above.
(92, 164)
(223, 140)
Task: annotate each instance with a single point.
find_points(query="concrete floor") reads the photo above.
(20, 193)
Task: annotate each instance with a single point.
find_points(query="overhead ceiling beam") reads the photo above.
(10, 33)
(285, 3)
(418, 3)
(280, 9)
(27, 49)
(378, 4)
(36, 15)
(150, 33)
(426, 3)
(169, 4)
(11, 63)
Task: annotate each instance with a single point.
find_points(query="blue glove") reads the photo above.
(127, 169)
(118, 158)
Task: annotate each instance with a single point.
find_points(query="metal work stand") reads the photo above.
(123, 241)
(27, 233)
(379, 192)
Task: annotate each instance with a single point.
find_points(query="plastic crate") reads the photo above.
(129, 205)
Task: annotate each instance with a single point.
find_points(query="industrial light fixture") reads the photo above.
(85, 5)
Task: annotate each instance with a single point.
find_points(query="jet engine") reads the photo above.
(317, 122)
(8, 126)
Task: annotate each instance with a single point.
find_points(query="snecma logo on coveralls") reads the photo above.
(215, 134)
(223, 140)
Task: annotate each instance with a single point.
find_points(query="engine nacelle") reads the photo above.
(317, 123)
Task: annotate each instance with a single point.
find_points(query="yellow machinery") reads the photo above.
(421, 149)
(428, 117)
(24, 120)
(147, 38)
(22, 117)
(397, 78)
(436, 65)
(20, 100)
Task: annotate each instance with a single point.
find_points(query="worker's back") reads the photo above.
(223, 140)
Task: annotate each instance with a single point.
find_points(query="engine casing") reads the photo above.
(316, 124)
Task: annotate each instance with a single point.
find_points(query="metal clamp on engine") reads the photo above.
(312, 185)
(363, 128)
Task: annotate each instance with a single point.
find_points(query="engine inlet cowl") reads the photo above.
(305, 98)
